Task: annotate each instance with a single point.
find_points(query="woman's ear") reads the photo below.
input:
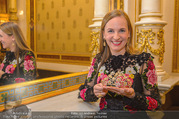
(13, 39)
(129, 35)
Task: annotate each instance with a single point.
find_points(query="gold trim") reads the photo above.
(146, 37)
(175, 64)
(94, 43)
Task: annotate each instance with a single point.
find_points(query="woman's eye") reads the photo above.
(122, 30)
(110, 30)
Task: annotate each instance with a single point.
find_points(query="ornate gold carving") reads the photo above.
(94, 42)
(145, 38)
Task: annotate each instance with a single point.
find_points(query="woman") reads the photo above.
(123, 78)
(19, 64)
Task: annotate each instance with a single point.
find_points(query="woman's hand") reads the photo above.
(1, 73)
(99, 91)
(128, 92)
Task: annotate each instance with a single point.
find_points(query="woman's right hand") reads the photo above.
(99, 91)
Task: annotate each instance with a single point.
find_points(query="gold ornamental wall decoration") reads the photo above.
(94, 43)
(145, 40)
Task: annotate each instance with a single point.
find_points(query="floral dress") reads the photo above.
(136, 71)
(27, 68)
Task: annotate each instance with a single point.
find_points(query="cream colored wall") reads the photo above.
(168, 16)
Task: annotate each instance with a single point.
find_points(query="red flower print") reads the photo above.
(10, 69)
(151, 65)
(28, 57)
(102, 103)
(152, 103)
(19, 80)
(152, 78)
(130, 109)
(1, 66)
(82, 94)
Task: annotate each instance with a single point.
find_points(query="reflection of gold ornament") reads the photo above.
(145, 40)
(94, 43)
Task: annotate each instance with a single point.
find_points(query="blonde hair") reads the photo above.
(104, 50)
(12, 29)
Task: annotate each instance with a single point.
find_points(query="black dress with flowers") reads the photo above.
(27, 68)
(136, 71)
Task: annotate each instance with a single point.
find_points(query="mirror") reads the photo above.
(58, 33)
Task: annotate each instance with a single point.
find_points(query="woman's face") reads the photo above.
(7, 41)
(116, 34)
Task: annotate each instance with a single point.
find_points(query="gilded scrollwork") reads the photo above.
(94, 42)
(145, 38)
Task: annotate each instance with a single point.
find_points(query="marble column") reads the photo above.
(101, 7)
(13, 10)
(150, 33)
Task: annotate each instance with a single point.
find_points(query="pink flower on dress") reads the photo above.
(151, 65)
(19, 80)
(28, 65)
(1, 66)
(90, 71)
(152, 103)
(10, 69)
(82, 93)
(152, 78)
(93, 62)
(104, 79)
(98, 79)
(102, 103)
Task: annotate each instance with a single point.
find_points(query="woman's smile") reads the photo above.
(116, 43)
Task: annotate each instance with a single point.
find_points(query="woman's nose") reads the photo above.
(116, 36)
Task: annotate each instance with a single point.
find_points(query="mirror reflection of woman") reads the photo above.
(19, 64)
(120, 76)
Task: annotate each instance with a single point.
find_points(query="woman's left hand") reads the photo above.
(1, 73)
(128, 92)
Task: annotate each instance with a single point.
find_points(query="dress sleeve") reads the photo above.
(27, 70)
(28, 66)
(86, 91)
(149, 99)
